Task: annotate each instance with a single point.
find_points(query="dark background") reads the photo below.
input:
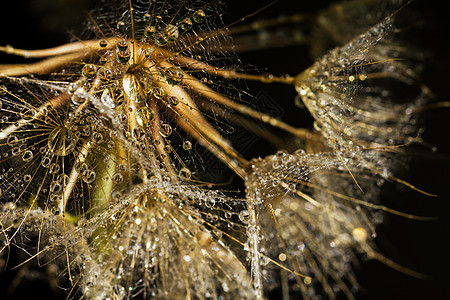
(422, 246)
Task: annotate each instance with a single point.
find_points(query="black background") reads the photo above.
(422, 246)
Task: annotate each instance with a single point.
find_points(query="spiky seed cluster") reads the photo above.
(304, 204)
(308, 217)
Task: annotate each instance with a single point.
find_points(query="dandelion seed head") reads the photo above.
(103, 160)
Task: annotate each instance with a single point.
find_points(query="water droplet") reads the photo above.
(123, 56)
(121, 168)
(185, 173)
(55, 210)
(27, 155)
(168, 148)
(267, 78)
(89, 71)
(150, 32)
(77, 99)
(173, 75)
(158, 93)
(165, 130)
(117, 178)
(244, 216)
(46, 161)
(217, 233)
(27, 177)
(88, 176)
(3, 90)
(112, 96)
(145, 116)
(138, 134)
(103, 60)
(141, 146)
(15, 151)
(199, 16)
(12, 139)
(122, 45)
(120, 24)
(103, 43)
(104, 74)
(187, 145)
(186, 24)
(173, 101)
